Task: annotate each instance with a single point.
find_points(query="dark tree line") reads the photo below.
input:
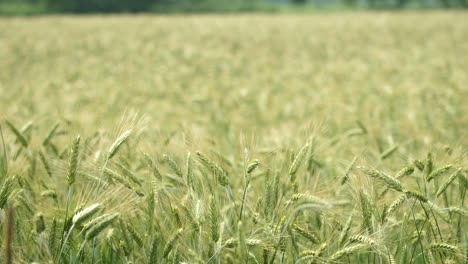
(404, 3)
(103, 6)
(394, 3)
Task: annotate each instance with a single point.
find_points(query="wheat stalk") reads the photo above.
(366, 209)
(447, 183)
(84, 214)
(153, 251)
(173, 165)
(309, 235)
(417, 195)
(50, 135)
(461, 211)
(73, 161)
(189, 170)
(388, 180)
(406, 171)
(393, 206)
(252, 166)
(19, 136)
(346, 251)
(428, 164)
(388, 152)
(297, 162)
(52, 236)
(363, 239)
(215, 168)
(114, 148)
(97, 225)
(345, 230)
(439, 172)
(443, 247)
(214, 221)
(171, 242)
(136, 237)
(5, 192)
(419, 165)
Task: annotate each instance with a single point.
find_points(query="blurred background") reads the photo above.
(30, 7)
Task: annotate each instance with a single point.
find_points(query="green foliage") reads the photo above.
(31, 7)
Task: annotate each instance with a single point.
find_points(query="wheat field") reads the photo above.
(312, 138)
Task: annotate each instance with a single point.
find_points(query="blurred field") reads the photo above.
(382, 89)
